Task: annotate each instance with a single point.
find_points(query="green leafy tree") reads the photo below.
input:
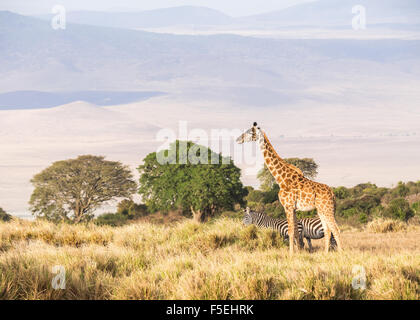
(306, 165)
(4, 216)
(70, 190)
(192, 178)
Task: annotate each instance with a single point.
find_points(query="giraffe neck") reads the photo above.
(279, 168)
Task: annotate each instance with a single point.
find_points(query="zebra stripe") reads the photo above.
(262, 220)
(312, 229)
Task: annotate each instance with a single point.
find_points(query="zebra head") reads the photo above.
(249, 135)
(248, 216)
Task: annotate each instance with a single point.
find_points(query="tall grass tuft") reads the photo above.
(381, 225)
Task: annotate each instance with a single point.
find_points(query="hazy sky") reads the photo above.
(230, 7)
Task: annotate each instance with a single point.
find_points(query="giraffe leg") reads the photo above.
(327, 236)
(327, 231)
(291, 234)
(336, 233)
(333, 244)
(292, 229)
(330, 227)
(326, 213)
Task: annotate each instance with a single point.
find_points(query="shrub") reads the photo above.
(272, 195)
(341, 192)
(350, 212)
(131, 209)
(4, 216)
(367, 203)
(306, 214)
(416, 208)
(381, 225)
(275, 210)
(413, 187)
(111, 219)
(401, 190)
(356, 205)
(232, 214)
(363, 218)
(257, 206)
(126, 210)
(255, 196)
(399, 209)
(361, 189)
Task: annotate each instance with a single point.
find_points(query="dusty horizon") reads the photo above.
(347, 154)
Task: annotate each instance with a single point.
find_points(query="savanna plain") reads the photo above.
(220, 259)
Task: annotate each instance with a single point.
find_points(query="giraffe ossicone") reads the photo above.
(296, 191)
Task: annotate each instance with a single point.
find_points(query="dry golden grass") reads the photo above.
(218, 260)
(381, 225)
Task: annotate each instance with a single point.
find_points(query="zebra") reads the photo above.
(312, 229)
(260, 219)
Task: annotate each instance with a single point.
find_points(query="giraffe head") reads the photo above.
(249, 135)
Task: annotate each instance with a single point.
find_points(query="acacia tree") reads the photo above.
(70, 190)
(202, 188)
(307, 165)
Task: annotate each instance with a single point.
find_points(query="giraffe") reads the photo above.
(296, 191)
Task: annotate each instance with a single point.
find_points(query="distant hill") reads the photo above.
(37, 99)
(175, 16)
(321, 13)
(225, 68)
(339, 13)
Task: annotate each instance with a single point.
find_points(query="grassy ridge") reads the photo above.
(218, 260)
